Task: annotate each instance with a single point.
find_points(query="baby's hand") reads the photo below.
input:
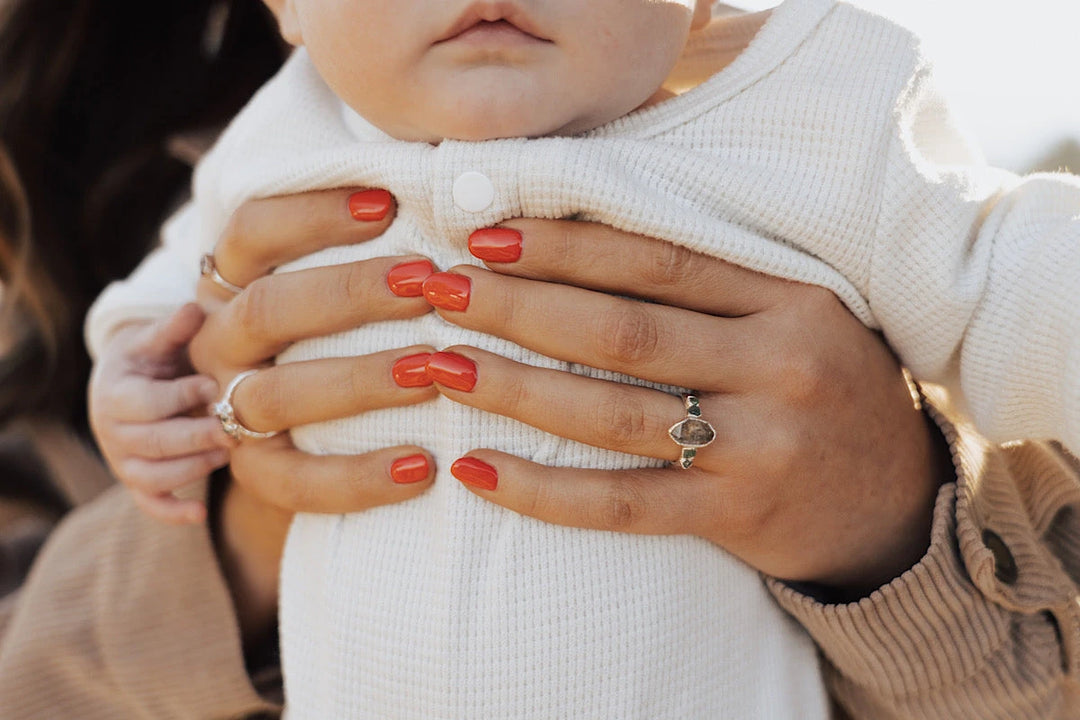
(146, 411)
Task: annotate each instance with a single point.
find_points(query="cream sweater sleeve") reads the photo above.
(975, 276)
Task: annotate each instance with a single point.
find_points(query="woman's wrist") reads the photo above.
(249, 538)
(902, 545)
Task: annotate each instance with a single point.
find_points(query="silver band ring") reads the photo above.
(208, 269)
(223, 410)
(692, 432)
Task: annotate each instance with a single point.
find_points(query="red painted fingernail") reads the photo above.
(411, 469)
(452, 370)
(448, 291)
(407, 278)
(370, 205)
(411, 371)
(476, 473)
(496, 245)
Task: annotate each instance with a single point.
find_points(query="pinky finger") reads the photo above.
(171, 509)
(644, 501)
(278, 473)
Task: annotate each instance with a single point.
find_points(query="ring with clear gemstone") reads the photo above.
(691, 432)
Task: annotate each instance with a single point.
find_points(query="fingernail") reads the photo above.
(411, 371)
(496, 245)
(411, 469)
(452, 370)
(448, 291)
(370, 205)
(407, 278)
(476, 473)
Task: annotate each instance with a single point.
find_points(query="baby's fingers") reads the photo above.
(171, 509)
(138, 399)
(165, 341)
(168, 439)
(159, 477)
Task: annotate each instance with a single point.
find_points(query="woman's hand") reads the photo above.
(246, 332)
(823, 470)
(271, 479)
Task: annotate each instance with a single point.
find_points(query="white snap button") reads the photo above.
(473, 192)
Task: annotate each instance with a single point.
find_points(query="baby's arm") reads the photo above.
(142, 391)
(976, 277)
(145, 403)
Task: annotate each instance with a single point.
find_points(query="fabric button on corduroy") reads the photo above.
(473, 192)
(1005, 568)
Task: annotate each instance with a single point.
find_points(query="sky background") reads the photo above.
(1013, 76)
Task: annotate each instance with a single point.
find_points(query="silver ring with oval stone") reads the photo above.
(692, 432)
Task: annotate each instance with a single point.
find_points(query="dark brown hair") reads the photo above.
(91, 92)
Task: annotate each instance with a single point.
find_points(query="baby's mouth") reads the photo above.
(486, 21)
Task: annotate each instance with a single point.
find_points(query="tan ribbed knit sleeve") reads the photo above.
(124, 617)
(987, 625)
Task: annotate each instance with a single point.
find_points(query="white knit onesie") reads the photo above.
(448, 606)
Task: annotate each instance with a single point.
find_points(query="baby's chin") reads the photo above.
(495, 119)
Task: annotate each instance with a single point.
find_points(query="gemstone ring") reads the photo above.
(691, 432)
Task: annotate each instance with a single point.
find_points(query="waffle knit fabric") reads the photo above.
(821, 154)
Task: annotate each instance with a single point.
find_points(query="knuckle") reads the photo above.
(805, 374)
(254, 309)
(359, 383)
(154, 444)
(243, 229)
(629, 334)
(670, 266)
(622, 506)
(354, 287)
(535, 500)
(621, 420)
(563, 242)
(788, 452)
(514, 394)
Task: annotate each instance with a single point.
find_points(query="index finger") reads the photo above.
(600, 257)
(266, 233)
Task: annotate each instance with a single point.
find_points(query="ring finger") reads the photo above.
(654, 342)
(284, 396)
(605, 414)
(277, 310)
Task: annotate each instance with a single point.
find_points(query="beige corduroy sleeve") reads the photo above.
(987, 625)
(125, 617)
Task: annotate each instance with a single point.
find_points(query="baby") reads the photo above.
(820, 154)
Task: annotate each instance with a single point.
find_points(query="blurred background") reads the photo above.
(1010, 70)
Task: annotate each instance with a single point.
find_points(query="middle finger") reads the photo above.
(653, 342)
(277, 310)
(285, 396)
